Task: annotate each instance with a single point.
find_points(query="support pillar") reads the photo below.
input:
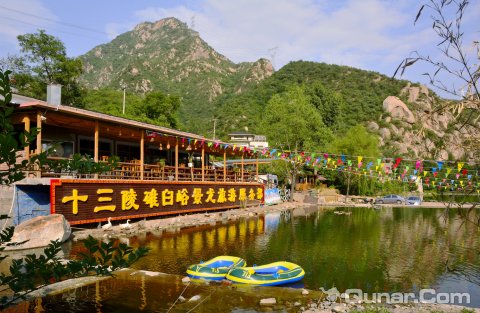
(225, 165)
(176, 160)
(242, 169)
(95, 146)
(26, 121)
(142, 153)
(203, 163)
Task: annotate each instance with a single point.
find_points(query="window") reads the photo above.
(87, 147)
(128, 152)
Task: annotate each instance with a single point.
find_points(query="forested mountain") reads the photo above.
(169, 57)
(407, 118)
(362, 93)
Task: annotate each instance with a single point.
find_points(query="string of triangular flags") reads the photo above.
(431, 173)
(452, 175)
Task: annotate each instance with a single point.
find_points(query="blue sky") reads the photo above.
(369, 34)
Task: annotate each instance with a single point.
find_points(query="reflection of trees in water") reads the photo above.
(392, 249)
(423, 245)
(174, 252)
(465, 204)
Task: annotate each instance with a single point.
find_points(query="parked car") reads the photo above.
(389, 199)
(413, 200)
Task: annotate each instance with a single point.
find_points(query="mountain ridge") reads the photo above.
(168, 56)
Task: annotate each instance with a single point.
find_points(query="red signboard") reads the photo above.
(88, 201)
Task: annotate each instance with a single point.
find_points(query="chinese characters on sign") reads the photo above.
(86, 201)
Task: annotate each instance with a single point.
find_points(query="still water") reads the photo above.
(392, 249)
(386, 250)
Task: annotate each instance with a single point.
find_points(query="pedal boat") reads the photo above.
(277, 273)
(216, 268)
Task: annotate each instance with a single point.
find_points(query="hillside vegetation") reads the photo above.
(169, 57)
(200, 85)
(360, 92)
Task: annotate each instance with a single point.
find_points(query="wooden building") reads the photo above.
(148, 156)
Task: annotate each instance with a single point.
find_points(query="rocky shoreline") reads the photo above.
(301, 205)
(176, 223)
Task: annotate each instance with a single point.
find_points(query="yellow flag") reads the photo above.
(360, 158)
(460, 165)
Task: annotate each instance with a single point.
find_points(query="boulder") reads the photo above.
(268, 301)
(384, 133)
(40, 230)
(456, 151)
(401, 147)
(372, 126)
(398, 109)
(413, 94)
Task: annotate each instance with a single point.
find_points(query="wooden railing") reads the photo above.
(132, 170)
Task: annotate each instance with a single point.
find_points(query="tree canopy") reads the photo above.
(155, 107)
(356, 141)
(292, 122)
(44, 61)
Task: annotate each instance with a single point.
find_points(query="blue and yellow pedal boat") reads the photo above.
(277, 273)
(216, 268)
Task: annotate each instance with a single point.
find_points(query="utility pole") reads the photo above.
(214, 125)
(123, 106)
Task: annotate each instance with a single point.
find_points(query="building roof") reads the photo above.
(240, 133)
(26, 102)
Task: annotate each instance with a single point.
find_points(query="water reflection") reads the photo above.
(387, 250)
(140, 293)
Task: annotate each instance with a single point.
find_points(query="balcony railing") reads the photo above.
(157, 172)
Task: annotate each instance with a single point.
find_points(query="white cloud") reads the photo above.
(351, 32)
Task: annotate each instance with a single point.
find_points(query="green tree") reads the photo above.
(331, 105)
(356, 142)
(155, 108)
(11, 141)
(293, 124)
(110, 101)
(33, 272)
(160, 108)
(44, 61)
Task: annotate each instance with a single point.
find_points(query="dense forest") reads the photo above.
(345, 96)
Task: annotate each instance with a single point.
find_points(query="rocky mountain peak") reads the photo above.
(168, 56)
(169, 22)
(413, 128)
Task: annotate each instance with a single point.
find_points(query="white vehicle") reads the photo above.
(269, 180)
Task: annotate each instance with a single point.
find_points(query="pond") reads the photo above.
(386, 250)
(392, 249)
